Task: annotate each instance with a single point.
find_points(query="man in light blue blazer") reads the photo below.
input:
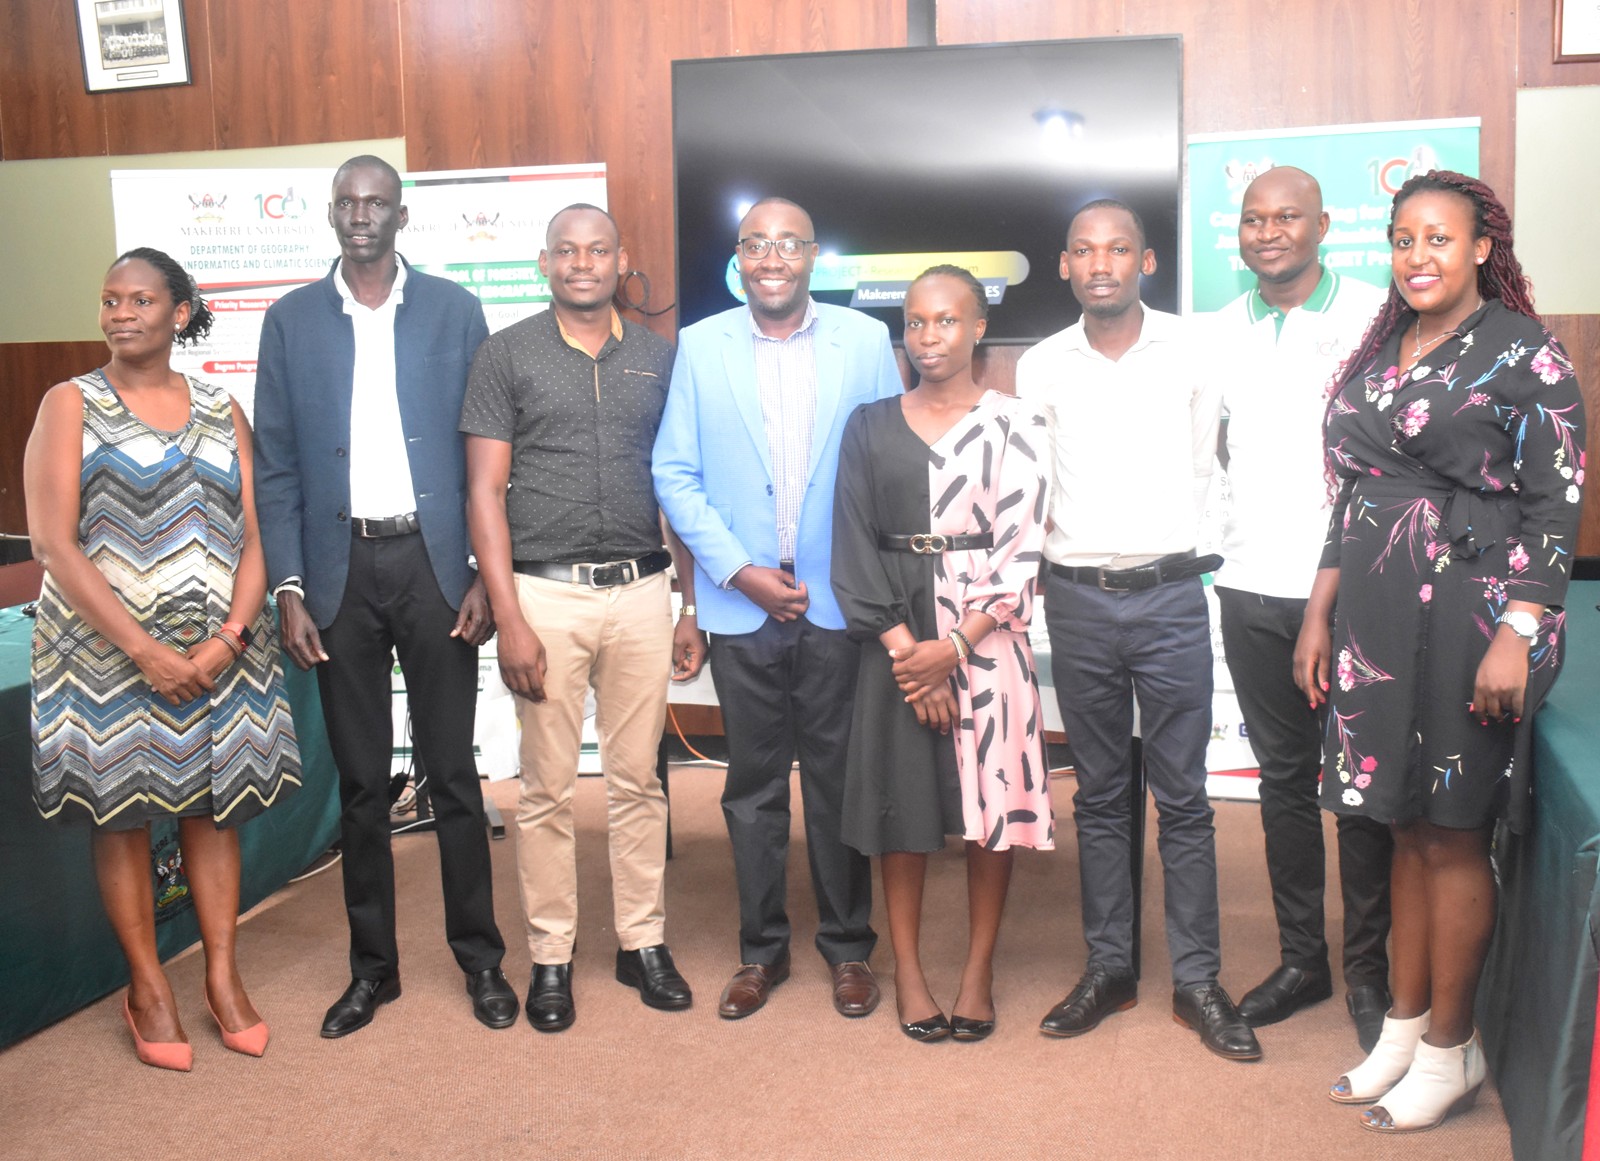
(744, 469)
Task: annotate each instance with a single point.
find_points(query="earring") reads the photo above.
(1480, 261)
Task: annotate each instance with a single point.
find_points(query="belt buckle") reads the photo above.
(928, 543)
(605, 576)
(1100, 582)
(361, 523)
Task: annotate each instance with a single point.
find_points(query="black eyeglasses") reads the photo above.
(756, 249)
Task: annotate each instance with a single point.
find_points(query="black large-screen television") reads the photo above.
(975, 154)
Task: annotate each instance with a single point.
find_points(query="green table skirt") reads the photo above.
(57, 952)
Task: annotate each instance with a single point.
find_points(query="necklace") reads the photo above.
(1416, 351)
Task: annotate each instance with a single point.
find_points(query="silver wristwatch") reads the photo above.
(1524, 625)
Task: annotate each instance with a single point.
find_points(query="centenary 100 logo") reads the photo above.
(280, 206)
(1389, 174)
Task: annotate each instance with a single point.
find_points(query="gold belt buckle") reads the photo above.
(928, 543)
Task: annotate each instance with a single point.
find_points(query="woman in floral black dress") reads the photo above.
(1455, 434)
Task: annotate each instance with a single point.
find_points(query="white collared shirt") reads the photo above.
(1275, 399)
(1134, 441)
(380, 470)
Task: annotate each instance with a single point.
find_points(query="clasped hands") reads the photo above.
(922, 670)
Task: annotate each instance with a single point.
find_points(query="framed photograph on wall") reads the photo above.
(132, 44)
(1577, 27)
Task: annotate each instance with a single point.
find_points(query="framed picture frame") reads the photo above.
(132, 44)
(1577, 29)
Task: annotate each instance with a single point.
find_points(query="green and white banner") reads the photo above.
(1359, 167)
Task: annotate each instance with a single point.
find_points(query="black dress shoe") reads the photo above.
(1368, 1004)
(1098, 994)
(550, 1007)
(927, 1031)
(1283, 993)
(354, 1009)
(493, 1001)
(650, 969)
(1209, 1010)
(962, 1028)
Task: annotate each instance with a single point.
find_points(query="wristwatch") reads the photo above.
(1524, 625)
(686, 611)
(239, 631)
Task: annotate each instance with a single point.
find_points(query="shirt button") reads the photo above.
(338, 451)
(769, 489)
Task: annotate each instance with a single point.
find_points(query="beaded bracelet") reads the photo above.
(963, 646)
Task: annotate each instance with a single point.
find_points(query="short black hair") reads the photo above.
(960, 274)
(1112, 204)
(576, 206)
(774, 200)
(182, 287)
(369, 161)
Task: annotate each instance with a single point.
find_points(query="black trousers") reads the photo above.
(392, 601)
(788, 690)
(1259, 633)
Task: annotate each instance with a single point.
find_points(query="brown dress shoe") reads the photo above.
(748, 990)
(855, 988)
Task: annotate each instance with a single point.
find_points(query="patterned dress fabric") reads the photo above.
(907, 786)
(161, 518)
(1459, 482)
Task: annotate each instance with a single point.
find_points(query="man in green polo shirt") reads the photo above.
(1284, 340)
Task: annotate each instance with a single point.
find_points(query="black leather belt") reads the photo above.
(1179, 566)
(598, 576)
(370, 529)
(928, 543)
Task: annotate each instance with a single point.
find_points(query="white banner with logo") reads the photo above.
(249, 236)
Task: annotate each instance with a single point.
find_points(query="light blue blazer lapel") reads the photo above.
(739, 362)
(830, 386)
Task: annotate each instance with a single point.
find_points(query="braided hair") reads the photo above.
(1499, 277)
(960, 274)
(182, 288)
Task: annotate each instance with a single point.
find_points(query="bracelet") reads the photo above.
(290, 587)
(686, 611)
(962, 646)
(232, 642)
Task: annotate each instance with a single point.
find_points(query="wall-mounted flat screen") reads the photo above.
(976, 155)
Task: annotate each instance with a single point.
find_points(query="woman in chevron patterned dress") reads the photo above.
(156, 681)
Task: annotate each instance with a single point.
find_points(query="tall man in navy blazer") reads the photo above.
(361, 489)
(744, 469)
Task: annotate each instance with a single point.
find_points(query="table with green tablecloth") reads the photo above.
(1536, 1008)
(57, 952)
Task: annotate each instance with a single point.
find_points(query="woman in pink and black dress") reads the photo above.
(938, 527)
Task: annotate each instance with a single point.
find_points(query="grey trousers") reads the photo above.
(1106, 649)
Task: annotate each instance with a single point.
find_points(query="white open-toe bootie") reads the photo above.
(1441, 1082)
(1384, 1065)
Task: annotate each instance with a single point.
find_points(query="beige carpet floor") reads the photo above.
(795, 1080)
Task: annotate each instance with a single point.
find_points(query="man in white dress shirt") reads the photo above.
(1134, 426)
(361, 488)
(1285, 338)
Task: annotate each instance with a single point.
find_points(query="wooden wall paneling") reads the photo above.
(986, 22)
(1580, 335)
(817, 26)
(174, 119)
(1537, 67)
(477, 89)
(44, 110)
(300, 73)
(27, 371)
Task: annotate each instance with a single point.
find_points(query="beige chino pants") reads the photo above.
(620, 641)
